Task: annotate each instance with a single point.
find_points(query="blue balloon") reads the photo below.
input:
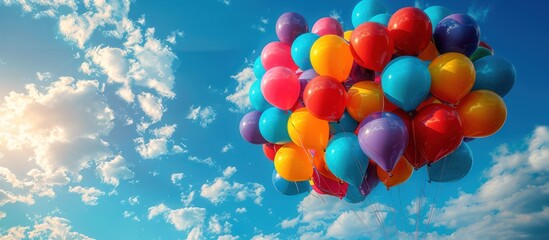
(406, 82)
(345, 158)
(495, 74)
(273, 125)
(345, 124)
(366, 9)
(259, 70)
(381, 19)
(301, 47)
(452, 167)
(289, 188)
(457, 33)
(437, 13)
(354, 195)
(257, 99)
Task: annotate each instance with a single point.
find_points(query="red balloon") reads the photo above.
(325, 98)
(411, 153)
(324, 185)
(270, 150)
(411, 30)
(277, 54)
(486, 45)
(371, 46)
(438, 131)
(326, 26)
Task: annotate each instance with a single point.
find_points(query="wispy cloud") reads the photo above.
(90, 195)
(204, 115)
(478, 12)
(239, 97)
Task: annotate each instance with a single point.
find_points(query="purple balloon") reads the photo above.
(304, 78)
(289, 26)
(384, 139)
(249, 128)
(457, 33)
(370, 181)
(359, 74)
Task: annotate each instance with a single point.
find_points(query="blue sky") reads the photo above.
(119, 120)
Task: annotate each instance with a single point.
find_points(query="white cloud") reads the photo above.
(111, 172)
(55, 228)
(112, 61)
(513, 202)
(176, 177)
(289, 223)
(415, 205)
(241, 210)
(356, 224)
(128, 214)
(133, 200)
(479, 13)
(208, 161)
(204, 116)
(187, 199)
(195, 234)
(2, 214)
(89, 195)
(226, 148)
(157, 146)
(261, 236)
(218, 191)
(229, 171)
(151, 105)
(173, 35)
(239, 97)
(157, 210)
(8, 197)
(13, 233)
(227, 237)
(264, 20)
(182, 219)
(43, 76)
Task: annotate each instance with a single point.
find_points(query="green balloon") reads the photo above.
(480, 53)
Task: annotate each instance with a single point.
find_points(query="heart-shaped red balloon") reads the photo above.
(411, 153)
(438, 131)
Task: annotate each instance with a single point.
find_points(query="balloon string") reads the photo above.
(422, 190)
(375, 211)
(432, 210)
(400, 203)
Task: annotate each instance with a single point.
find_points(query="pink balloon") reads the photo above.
(280, 87)
(277, 54)
(326, 26)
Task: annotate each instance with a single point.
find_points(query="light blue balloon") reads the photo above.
(256, 97)
(287, 187)
(406, 82)
(437, 13)
(365, 10)
(345, 124)
(273, 125)
(495, 74)
(381, 19)
(345, 158)
(301, 48)
(452, 167)
(259, 70)
(354, 195)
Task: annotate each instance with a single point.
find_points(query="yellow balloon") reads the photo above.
(293, 163)
(452, 77)
(347, 35)
(307, 131)
(482, 113)
(331, 56)
(364, 98)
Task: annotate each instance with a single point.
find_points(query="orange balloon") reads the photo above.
(482, 113)
(429, 53)
(364, 98)
(320, 164)
(331, 56)
(307, 131)
(293, 163)
(429, 101)
(402, 172)
(452, 77)
(347, 35)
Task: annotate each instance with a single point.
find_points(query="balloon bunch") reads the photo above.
(341, 111)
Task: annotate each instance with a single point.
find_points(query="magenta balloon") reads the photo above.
(277, 54)
(249, 128)
(370, 181)
(289, 26)
(280, 87)
(326, 26)
(384, 139)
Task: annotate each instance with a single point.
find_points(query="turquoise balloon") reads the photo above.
(289, 188)
(354, 195)
(495, 74)
(345, 158)
(301, 48)
(452, 167)
(256, 97)
(406, 82)
(381, 19)
(273, 125)
(345, 124)
(436, 13)
(259, 70)
(365, 10)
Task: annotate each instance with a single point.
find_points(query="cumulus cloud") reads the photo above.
(241, 210)
(204, 115)
(55, 228)
(227, 237)
(195, 234)
(111, 172)
(239, 97)
(187, 199)
(289, 223)
(176, 178)
(229, 171)
(218, 191)
(182, 219)
(158, 145)
(17, 232)
(89, 195)
(261, 236)
(216, 227)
